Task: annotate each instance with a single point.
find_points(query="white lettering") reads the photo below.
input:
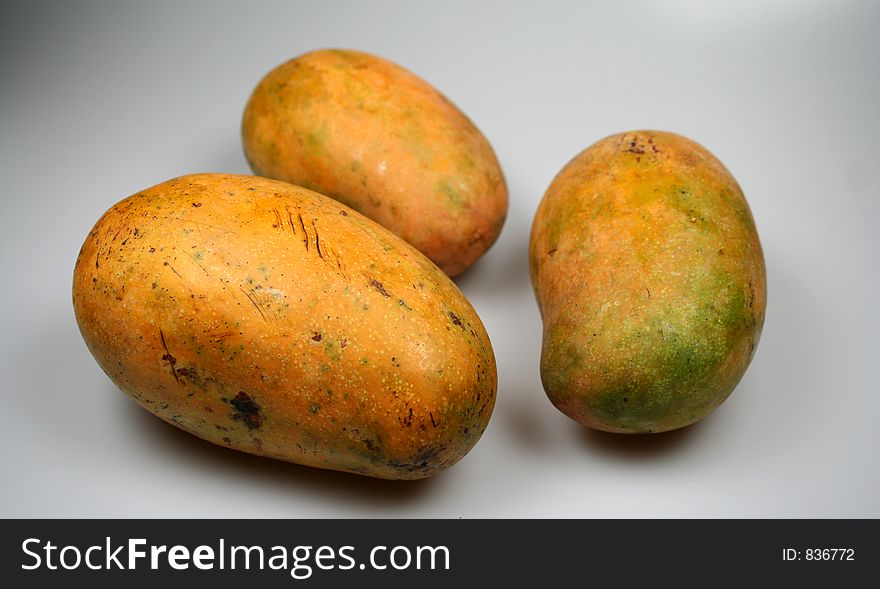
(373, 560)
(394, 560)
(89, 558)
(36, 557)
(177, 553)
(134, 553)
(63, 561)
(111, 556)
(155, 551)
(202, 554)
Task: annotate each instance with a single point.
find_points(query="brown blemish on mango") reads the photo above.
(247, 410)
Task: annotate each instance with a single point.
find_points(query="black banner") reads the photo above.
(434, 553)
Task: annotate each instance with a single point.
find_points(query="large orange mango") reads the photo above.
(267, 318)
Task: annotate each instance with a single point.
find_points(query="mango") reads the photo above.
(381, 140)
(650, 279)
(267, 318)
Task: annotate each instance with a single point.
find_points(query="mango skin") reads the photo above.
(267, 318)
(374, 136)
(650, 279)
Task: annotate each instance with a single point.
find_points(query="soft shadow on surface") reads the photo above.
(638, 445)
(524, 418)
(180, 445)
(532, 423)
(523, 423)
(503, 270)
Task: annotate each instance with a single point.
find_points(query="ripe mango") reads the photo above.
(267, 318)
(650, 279)
(374, 136)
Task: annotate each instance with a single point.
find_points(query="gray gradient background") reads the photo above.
(99, 100)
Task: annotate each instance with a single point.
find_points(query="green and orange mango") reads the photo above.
(650, 279)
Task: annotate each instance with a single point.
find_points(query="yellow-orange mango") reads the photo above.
(374, 136)
(267, 318)
(651, 283)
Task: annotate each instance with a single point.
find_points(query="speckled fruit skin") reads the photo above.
(650, 279)
(264, 317)
(372, 135)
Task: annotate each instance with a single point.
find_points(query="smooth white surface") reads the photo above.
(99, 100)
